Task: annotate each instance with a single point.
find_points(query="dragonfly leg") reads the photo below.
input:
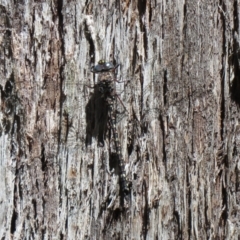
(121, 102)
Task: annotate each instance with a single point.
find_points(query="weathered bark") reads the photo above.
(180, 139)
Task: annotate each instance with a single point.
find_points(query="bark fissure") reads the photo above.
(178, 131)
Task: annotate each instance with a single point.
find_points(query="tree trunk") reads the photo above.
(177, 106)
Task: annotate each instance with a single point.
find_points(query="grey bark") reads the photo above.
(180, 138)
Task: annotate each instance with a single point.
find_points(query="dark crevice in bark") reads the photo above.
(20, 188)
(37, 184)
(192, 138)
(61, 191)
(116, 215)
(7, 126)
(235, 17)
(34, 53)
(234, 58)
(223, 160)
(6, 37)
(207, 223)
(14, 214)
(66, 225)
(43, 159)
(225, 205)
(150, 12)
(165, 88)
(223, 69)
(189, 202)
(89, 38)
(185, 41)
(17, 127)
(75, 25)
(9, 85)
(163, 22)
(163, 139)
(45, 214)
(16, 132)
(130, 142)
(10, 121)
(138, 152)
(141, 8)
(91, 213)
(13, 222)
(32, 232)
(34, 203)
(144, 125)
(45, 78)
(134, 54)
(177, 217)
(80, 168)
(7, 92)
(112, 53)
(237, 184)
(7, 108)
(86, 3)
(113, 161)
(145, 41)
(184, 12)
(112, 217)
(61, 65)
(145, 220)
(43, 233)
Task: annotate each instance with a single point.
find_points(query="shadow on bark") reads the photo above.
(96, 118)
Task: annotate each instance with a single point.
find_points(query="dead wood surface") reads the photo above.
(180, 135)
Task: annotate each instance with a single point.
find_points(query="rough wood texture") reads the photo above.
(180, 139)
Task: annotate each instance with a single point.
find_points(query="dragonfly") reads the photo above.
(105, 94)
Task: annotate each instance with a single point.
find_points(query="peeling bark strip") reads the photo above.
(180, 140)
